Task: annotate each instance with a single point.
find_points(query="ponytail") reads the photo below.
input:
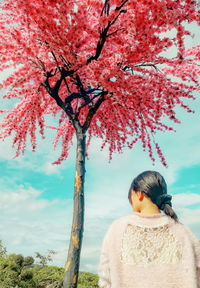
(170, 212)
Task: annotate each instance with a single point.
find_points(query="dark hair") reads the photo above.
(153, 185)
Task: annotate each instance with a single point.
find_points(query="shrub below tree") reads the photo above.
(17, 271)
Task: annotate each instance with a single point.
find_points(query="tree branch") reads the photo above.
(53, 92)
(106, 8)
(93, 110)
(115, 32)
(121, 11)
(81, 89)
(72, 96)
(100, 43)
(67, 63)
(119, 7)
(104, 32)
(60, 69)
(90, 101)
(149, 64)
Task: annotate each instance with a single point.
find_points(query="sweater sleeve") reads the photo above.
(196, 248)
(103, 267)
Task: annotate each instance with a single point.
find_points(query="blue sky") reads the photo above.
(37, 197)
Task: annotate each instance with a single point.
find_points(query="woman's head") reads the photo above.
(153, 187)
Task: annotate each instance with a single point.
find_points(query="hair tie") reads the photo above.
(162, 200)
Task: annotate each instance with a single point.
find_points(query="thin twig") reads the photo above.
(115, 32)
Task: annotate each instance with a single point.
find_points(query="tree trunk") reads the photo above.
(73, 258)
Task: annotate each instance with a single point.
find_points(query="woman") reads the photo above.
(149, 249)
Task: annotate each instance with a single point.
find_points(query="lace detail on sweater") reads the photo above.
(150, 245)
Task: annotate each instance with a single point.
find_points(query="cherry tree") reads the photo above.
(99, 66)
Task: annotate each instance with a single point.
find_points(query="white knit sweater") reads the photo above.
(149, 251)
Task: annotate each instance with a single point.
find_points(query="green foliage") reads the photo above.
(26, 275)
(8, 278)
(28, 284)
(88, 280)
(49, 272)
(14, 262)
(19, 259)
(3, 263)
(50, 283)
(29, 260)
(13, 266)
(15, 272)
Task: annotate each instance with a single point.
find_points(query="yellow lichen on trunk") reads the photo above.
(74, 279)
(78, 182)
(67, 265)
(75, 240)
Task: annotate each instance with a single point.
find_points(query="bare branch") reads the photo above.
(64, 106)
(39, 65)
(52, 92)
(81, 89)
(106, 8)
(36, 64)
(72, 96)
(115, 32)
(119, 7)
(65, 81)
(122, 11)
(67, 63)
(92, 90)
(54, 56)
(93, 110)
(88, 103)
(149, 64)
(103, 34)
(100, 43)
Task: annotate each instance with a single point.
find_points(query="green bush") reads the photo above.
(28, 284)
(19, 259)
(88, 280)
(8, 278)
(29, 260)
(47, 272)
(26, 275)
(15, 271)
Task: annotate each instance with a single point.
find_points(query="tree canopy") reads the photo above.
(99, 64)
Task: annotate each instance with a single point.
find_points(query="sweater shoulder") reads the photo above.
(191, 234)
(119, 221)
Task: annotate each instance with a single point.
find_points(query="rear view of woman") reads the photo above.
(147, 248)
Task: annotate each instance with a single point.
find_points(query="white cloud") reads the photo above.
(187, 215)
(186, 199)
(30, 224)
(22, 200)
(6, 152)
